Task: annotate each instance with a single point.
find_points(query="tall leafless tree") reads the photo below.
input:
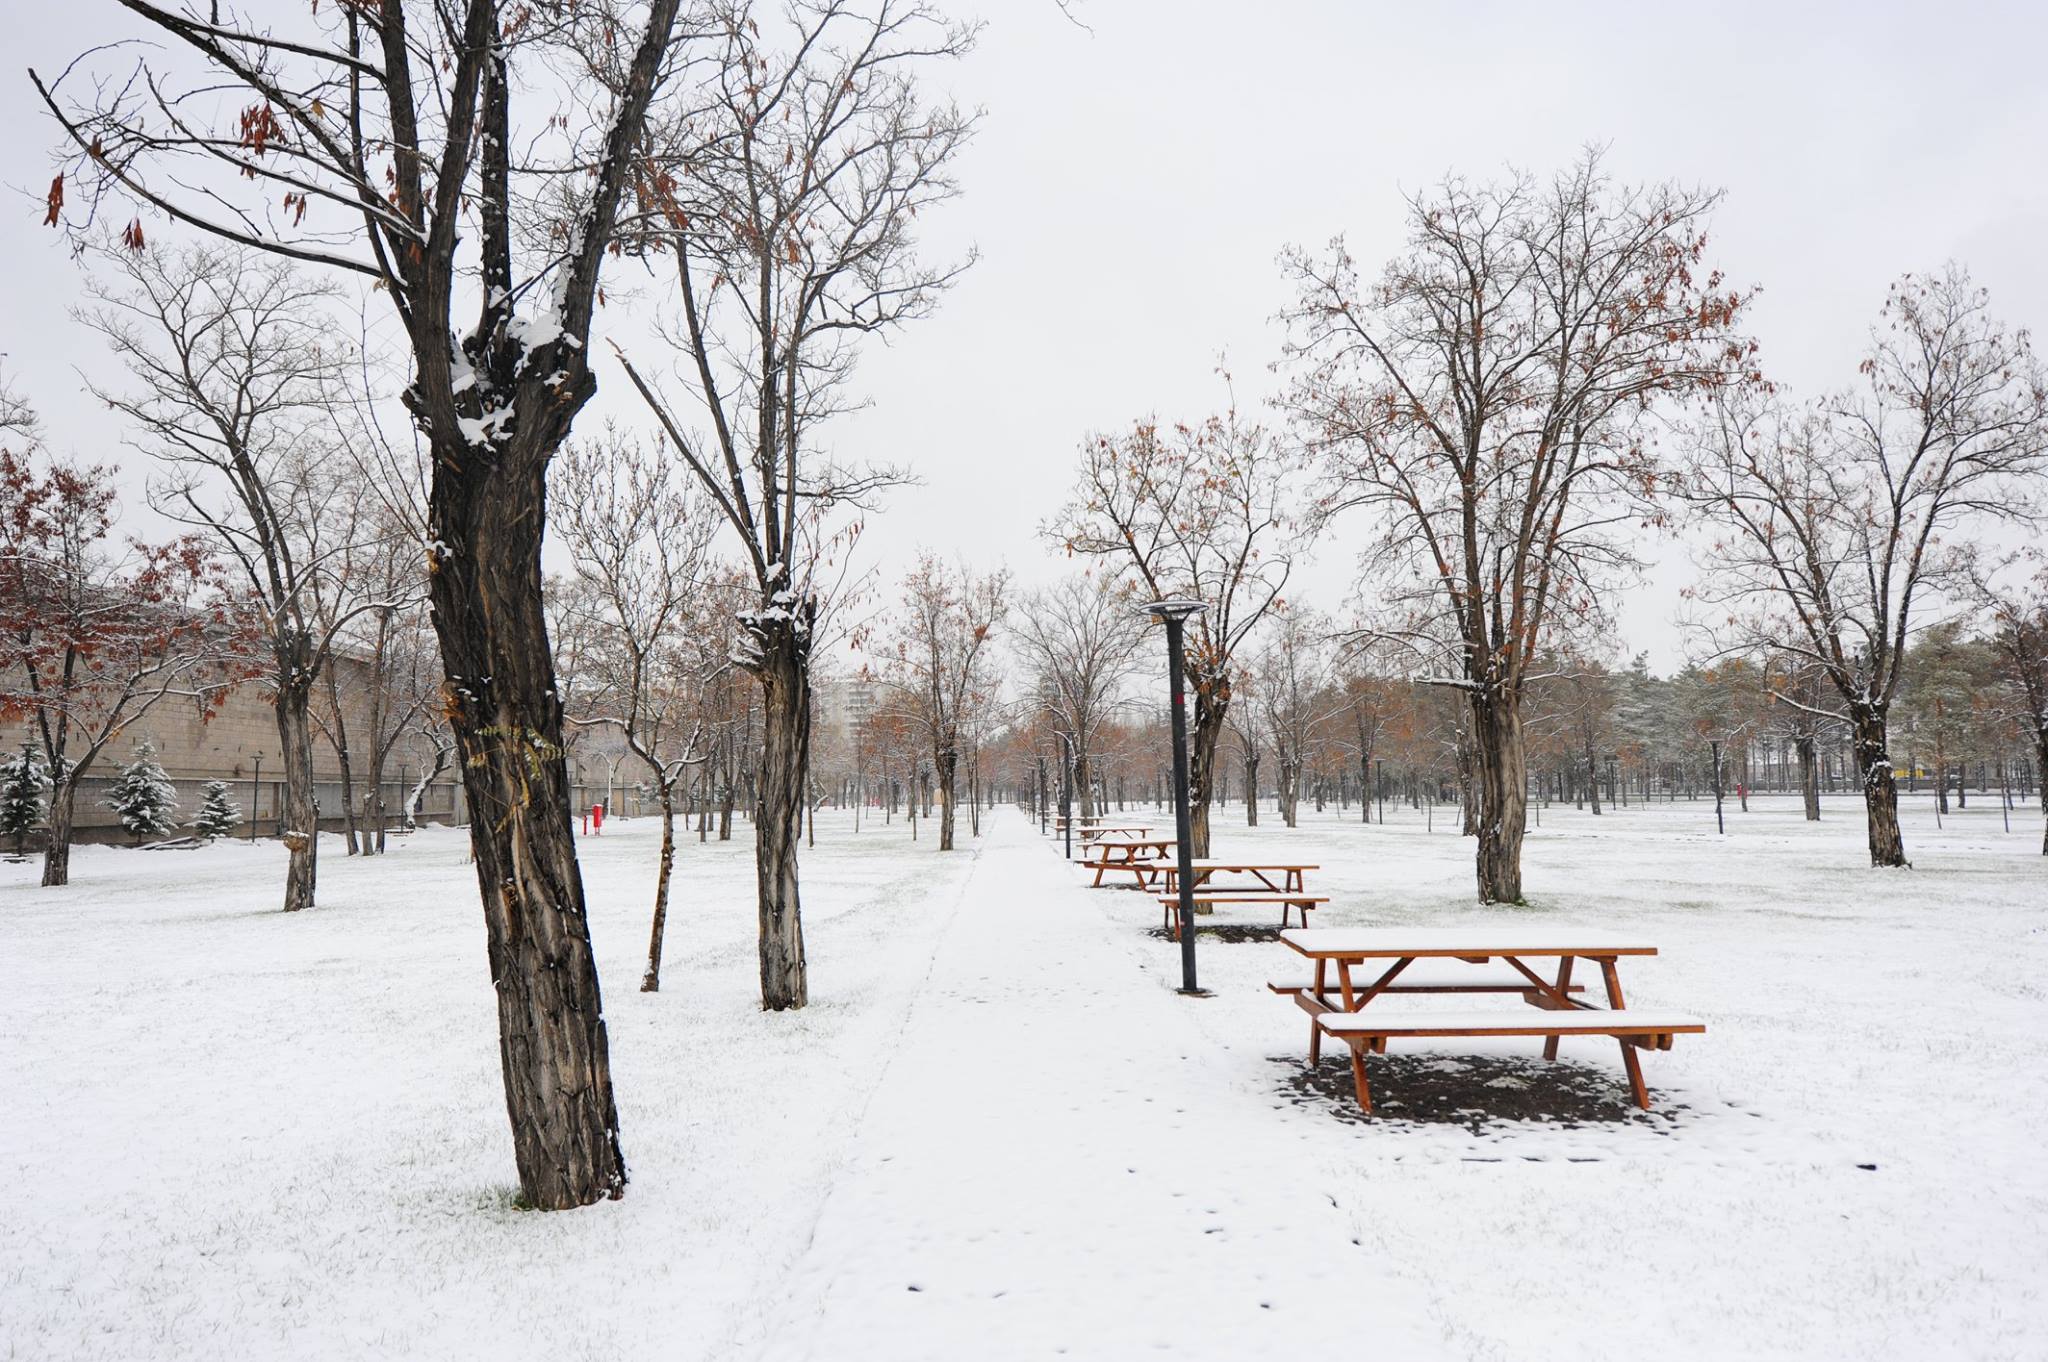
(783, 203)
(1203, 512)
(1486, 403)
(937, 660)
(433, 152)
(1837, 523)
(640, 543)
(1078, 648)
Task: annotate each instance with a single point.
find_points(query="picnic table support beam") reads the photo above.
(1628, 1051)
(1564, 983)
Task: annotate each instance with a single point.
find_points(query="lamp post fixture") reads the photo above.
(1175, 615)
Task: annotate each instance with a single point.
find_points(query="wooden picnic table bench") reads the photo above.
(1425, 960)
(1138, 855)
(1205, 901)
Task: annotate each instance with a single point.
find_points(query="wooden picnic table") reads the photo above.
(1456, 960)
(1139, 855)
(1204, 871)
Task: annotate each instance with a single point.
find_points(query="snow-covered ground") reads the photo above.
(998, 1133)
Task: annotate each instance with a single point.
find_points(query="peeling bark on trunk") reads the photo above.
(784, 672)
(1880, 788)
(1502, 779)
(506, 715)
(301, 808)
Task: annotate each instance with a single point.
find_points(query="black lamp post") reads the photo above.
(1175, 615)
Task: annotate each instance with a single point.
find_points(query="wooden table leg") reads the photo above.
(1358, 1083)
(1315, 1033)
(1628, 1051)
(1564, 980)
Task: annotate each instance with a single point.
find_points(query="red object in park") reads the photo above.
(597, 818)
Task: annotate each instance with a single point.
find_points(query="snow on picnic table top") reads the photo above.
(1243, 864)
(1539, 939)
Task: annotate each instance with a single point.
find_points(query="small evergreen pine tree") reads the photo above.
(218, 815)
(22, 782)
(144, 796)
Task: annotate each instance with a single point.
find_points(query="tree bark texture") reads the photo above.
(301, 807)
(62, 817)
(1501, 777)
(650, 982)
(784, 672)
(487, 512)
(948, 763)
(1880, 788)
(1809, 777)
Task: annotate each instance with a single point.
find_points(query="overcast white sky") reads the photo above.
(1133, 182)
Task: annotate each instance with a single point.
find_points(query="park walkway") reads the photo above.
(1057, 1164)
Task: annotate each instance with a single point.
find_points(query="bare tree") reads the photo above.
(1486, 401)
(1197, 511)
(2019, 634)
(937, 660)
(784, 204)
(96, 636)
(1078, 646)
(1293, 699)
(1835, 522)
(640, 542)
(228, 389)
(378, 139)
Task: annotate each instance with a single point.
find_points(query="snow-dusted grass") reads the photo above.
(228, 1132)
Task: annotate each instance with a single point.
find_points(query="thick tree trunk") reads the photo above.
(1880, 788)
(502, 704)
(650, 982)
(784, 672)
(1809, 777)
(1501, 775)
(63, 818)
(1251, 789)
(301, 808)
(1202, 745)
(947, 763)
(341, 757)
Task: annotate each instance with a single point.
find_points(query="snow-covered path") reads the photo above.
(1054, 1165)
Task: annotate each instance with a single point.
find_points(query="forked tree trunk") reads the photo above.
(63, 818)
(1880, 788)
(506, 714)
(650, 982)
(301, 809)
(1501, 775)
(1809, 777)
(784, 672)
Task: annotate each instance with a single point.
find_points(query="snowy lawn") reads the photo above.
(229, 1133)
